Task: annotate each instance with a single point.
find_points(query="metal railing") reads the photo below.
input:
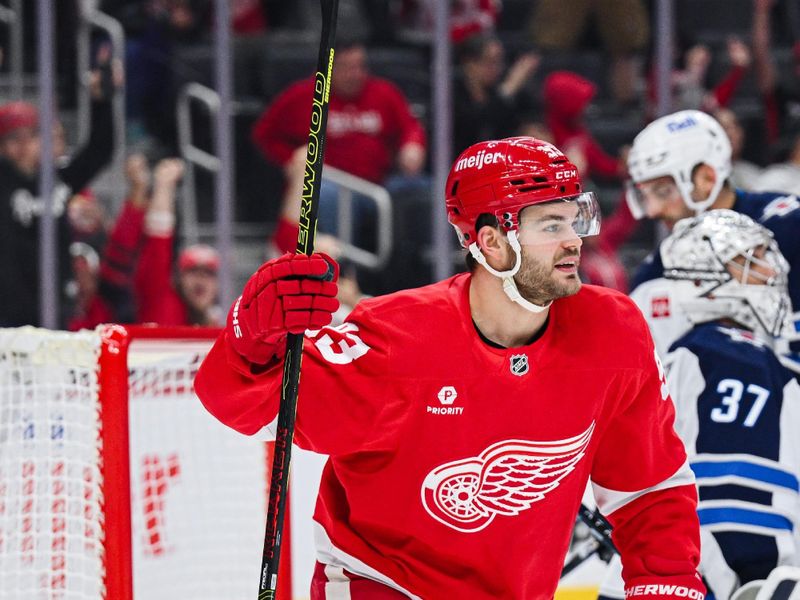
(12, 17)
(91, 19)
(349, 184)
(192, 155)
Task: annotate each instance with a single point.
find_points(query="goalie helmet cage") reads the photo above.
(115, 483)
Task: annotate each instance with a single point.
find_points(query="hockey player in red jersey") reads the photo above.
(464, 419)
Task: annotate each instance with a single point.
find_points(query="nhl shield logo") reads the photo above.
(519, 364)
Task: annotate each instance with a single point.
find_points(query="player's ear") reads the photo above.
(703, 177)
(494, 245)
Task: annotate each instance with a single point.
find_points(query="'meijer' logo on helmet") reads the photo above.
(478, 160)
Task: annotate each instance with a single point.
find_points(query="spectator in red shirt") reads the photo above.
(371, 130)
(370, 125)
(566, 97)
(190, 296)
(103, 286)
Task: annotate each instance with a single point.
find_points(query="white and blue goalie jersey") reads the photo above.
(738, 414)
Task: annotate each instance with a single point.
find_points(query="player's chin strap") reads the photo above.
(507, 277)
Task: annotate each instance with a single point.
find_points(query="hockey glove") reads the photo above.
(287, 295)
(666, 588)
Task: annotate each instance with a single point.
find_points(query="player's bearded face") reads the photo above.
(540, 280)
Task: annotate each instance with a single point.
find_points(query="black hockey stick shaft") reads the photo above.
(600, 529)
(581, 554)
(279, 482)
(600, 542)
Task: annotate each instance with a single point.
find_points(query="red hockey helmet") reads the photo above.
(501, 177)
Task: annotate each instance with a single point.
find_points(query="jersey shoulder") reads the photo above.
(606, 321)
(591, 299)
(733, 349)
(415, 308)
(772, 209)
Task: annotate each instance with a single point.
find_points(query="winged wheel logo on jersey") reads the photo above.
(505, 479)
(519, 364)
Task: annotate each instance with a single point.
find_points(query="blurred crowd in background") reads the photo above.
(578, 73)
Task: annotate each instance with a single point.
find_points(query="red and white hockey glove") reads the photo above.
(286, 295)
(683, 587)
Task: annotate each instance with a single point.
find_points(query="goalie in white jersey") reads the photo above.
(737, 407)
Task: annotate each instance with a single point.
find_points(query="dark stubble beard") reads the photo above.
(536, 282)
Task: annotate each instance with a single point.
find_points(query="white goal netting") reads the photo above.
(197, 489)
(51, 525)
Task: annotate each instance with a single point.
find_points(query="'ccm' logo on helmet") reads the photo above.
(569, 173)
(678, 125)
(479, 159)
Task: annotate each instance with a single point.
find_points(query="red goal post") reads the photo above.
(115, 483)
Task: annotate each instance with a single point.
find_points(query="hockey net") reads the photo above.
(113, 477)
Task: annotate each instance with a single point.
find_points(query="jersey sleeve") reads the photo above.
(686, 383)
(643, 484)
(282, 128)
(155, 294)
(96, 153)
(661, 308)
(340, 396)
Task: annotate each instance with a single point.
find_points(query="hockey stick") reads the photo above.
(279, 482)
(600, 529)
(579, 555)
(600, 543)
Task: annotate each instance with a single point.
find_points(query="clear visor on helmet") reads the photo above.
(560, 220)
(658, 191)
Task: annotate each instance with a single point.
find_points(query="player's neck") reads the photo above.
(499, 319)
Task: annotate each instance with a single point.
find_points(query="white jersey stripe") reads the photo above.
(328, 554)
(610, 501)
(338, 586)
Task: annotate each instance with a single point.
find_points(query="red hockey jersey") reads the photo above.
(457, 468)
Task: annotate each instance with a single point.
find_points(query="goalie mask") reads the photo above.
(673, 146)
(726, 265)
(500, 178)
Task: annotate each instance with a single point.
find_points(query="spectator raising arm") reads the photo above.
(157, 301)
(98, 149)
